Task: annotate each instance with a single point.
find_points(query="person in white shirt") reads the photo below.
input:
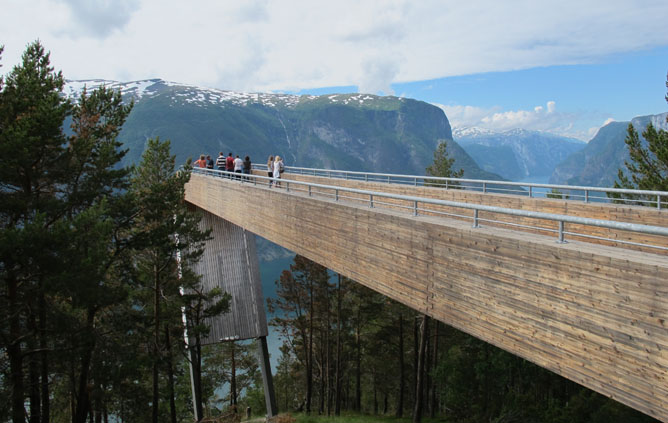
(238, 166)
(278, 165)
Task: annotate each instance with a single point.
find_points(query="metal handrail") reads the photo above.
(481, 184)
(414, 201)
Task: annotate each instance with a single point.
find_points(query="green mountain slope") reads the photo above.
(597, 164)
(351, 132)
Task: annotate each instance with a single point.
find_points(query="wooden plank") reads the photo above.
(593, 313)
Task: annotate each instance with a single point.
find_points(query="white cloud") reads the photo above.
(99, 18)
(546, 119)
(263, 45)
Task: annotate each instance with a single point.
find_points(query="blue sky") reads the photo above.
(620, 87)
(565, 67)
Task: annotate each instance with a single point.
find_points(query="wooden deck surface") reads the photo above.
(596, 314)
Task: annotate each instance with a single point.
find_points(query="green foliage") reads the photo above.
(89, 299)
(442, 165)
(648, 165)
(59, 213)
(468, 380)
(555, 193)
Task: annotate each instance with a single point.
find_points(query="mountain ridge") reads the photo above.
(338, 131)
(598, 163)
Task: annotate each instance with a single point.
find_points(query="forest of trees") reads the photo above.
(91, 324)
(350, 349)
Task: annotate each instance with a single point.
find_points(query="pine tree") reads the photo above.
(61, 209)
(31, 172)
(296, 300)
(648, 168)
(442, 166)
(165, 228)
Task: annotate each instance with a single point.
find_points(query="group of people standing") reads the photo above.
(230, 163)
(274, 169)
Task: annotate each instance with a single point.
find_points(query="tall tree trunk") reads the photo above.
(402, 382)
(197, 372)
(309, 353)
(156, 344)
(44, 369)
(98, 410)
(337, 382)
(83, 397)
(327, 354)
(14, 350)
(375, 395)
(416, 353)
(73, 388)
(170, 375)
(358, 364)
(233, 378)
(321, 407)
(417, 411)
(433, 406)
(33, 373)
(427, 369)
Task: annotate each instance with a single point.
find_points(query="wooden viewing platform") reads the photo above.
(591, 310)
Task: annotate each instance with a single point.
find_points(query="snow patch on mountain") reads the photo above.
(470, 131)
(187, 93)
(134, 89)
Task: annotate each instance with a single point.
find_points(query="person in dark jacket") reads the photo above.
(247, 167)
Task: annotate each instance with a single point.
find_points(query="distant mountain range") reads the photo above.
(598, 163)
(355, 132)
(518, 153)
(340, 131)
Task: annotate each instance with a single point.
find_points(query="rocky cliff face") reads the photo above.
(598, 163)
(345, 131)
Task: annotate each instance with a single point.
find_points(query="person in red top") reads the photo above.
(229, 163)
(201, 162)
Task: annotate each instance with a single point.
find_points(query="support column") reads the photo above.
(267, 379)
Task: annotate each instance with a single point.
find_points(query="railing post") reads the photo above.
(336, 195)
(370, 201)
(346, 176)
(416, 181)
(287, 186)
(446, 184)
(475, 218)
(586, 196)
(329, 174)
(366, 177)
(658, 201)
(484, 187)
(561, 233)
(415, 208)
(309, 190)
(388, 179)
(530, 191)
